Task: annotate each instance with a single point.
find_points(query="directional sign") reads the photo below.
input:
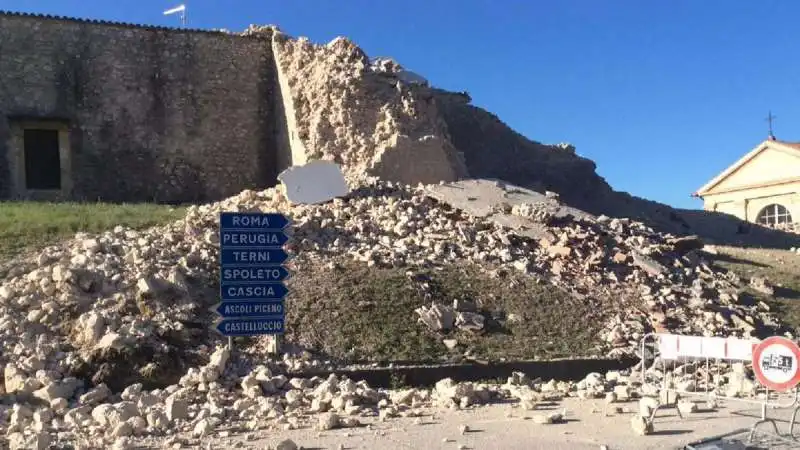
(254, 274)
(254, 291)
(252, 221)
(250, 309)
(775, 363)
(249, 327)
(252, 238)
(252, 257)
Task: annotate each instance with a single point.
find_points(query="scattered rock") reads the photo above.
(328, 421)
(437, 317)
(287, 444)
(687, 407)
(762, 285)
(641, 425)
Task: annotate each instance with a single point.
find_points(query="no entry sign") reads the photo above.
(775, 363)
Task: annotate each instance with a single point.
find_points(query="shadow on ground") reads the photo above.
(723, 258)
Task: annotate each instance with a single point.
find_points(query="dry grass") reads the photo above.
(781, 267)
(359, 314)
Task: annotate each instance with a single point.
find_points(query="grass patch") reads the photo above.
(356, 314)
(549, 323)
(780, 267)
(32, 225)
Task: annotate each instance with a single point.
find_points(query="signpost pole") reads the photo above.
(274, 345)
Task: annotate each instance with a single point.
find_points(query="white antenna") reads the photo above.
(181, 9)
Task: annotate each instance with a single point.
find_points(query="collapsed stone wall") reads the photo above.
(366, 116)
(153, 114)
(370, 118)
(493, 150)
(371, 123)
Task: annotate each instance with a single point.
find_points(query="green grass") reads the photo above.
(27, 226)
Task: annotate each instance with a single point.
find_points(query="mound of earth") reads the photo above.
(128, 305)
(355, 313)
(111, 330)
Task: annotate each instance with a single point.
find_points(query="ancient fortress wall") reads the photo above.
(149, 113)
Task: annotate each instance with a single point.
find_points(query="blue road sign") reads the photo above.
(252, 221)
(254, 274)
(253, 291)
(261, 257)
(251, 309)
(252, 238)
(251, 326)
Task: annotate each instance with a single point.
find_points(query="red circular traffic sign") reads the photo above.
(775, 363)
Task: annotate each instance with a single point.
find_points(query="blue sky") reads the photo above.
(661, 94)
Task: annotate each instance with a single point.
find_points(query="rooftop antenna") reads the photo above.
(770, 118)
(178, 9)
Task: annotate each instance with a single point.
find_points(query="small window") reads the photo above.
(42, 159)
(773, 215)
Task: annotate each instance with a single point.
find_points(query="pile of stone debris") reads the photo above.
(84, 326)
(212, 399)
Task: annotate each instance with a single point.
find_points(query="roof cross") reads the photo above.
(770, 118)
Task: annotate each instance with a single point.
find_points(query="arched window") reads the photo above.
(773, 215)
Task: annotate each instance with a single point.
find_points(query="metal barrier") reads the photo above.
(707, 359)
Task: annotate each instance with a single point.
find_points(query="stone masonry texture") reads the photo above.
(154, 114)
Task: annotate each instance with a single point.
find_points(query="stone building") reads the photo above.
(762, 187)
(108, 111)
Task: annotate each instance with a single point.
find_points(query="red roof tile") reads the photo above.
(794, 145)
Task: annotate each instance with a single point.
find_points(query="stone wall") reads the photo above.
(152, 114)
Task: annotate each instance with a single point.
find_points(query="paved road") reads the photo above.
(493, 429)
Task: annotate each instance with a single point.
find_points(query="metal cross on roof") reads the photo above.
(770, 118)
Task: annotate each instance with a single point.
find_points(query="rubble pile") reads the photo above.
(86, 325)
(368, 116)
(210, 398)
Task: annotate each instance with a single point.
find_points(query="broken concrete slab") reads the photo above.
(314, 183)
(494, 199)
